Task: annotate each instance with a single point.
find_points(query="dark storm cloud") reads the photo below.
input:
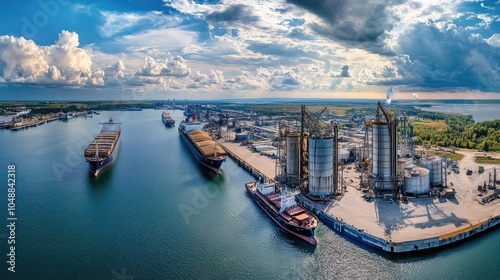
(359, 23)
(279, 50)
(238, 12)
(448, 58)
(345, 72)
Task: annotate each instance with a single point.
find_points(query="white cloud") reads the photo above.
(21, 59)
(192, 8)
(117, 23)
(174, 67)
(494, 40)
(160, 39)
(64, 62)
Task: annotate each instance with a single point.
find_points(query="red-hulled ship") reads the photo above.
(284, 211)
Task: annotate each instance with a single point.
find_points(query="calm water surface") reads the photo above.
(156, 214)
(480, 112)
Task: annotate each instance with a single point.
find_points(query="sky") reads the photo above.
(254, 48)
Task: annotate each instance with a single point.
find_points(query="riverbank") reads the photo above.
(396, 226)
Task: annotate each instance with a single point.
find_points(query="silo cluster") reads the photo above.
(435, 166)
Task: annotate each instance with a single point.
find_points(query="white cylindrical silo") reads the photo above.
(321, 167)
(417, 181)
(434, 164)
(382, 157)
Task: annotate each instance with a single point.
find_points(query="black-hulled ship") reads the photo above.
(284, 210)
(103, 150)
(203, 147)
(167, 119)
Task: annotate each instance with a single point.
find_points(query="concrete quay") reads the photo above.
(395, 226)
(28, 124)
(256, 164)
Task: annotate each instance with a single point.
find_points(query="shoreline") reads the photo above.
(396, 227)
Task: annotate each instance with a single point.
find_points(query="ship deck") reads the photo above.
(296, 216)
(102, 146)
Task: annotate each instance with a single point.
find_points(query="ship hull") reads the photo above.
(168, 122)
(213, 165)
(306, 234)
(98, 166)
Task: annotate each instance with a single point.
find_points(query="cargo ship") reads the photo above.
(167, 119)
(68, 116)
(203, 147)
(284, 211)
(103, 150)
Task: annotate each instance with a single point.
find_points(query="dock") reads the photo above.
(256, 164)
(20, 125)
(24, 125)
(393, 226)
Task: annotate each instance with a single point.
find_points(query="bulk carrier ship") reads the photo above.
(284, 211)
(104, 149)
(167, 119)
(203, 147)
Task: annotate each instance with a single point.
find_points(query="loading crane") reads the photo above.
(313, 127)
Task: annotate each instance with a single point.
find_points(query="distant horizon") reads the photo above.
(257, 99)
(71, 50)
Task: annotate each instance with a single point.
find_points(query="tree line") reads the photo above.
(461, 132)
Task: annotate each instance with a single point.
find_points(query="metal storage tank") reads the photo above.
(222, 131)
(243, 136)
(417, 181)
(321, 167)
(382, 157)
(343, 155)
(403, 163)
(434, 164)
(292, 154)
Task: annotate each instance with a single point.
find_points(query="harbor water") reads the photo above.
(156, 214)
(480, 112)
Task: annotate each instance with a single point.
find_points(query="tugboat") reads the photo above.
(284, 211)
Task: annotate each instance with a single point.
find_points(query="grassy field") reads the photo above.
(487, 160)
(295, 109)
(453, 156)
(439, 125)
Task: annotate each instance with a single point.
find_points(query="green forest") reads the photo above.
(454, 130)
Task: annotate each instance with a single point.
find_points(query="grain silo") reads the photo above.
(321, 175)
(435, 166)
(416, 181)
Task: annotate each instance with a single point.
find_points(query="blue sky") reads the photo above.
(251, 48)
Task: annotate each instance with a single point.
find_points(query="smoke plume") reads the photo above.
(391, 94)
